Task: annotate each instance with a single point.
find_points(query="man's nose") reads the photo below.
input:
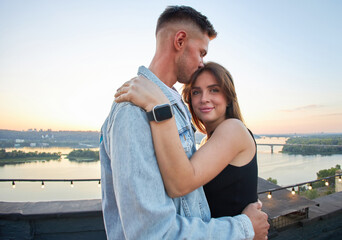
(201, 65)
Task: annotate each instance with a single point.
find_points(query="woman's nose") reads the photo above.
(205, 97)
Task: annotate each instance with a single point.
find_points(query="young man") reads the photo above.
(135, 204)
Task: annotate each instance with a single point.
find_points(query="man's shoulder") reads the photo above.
(124, 113)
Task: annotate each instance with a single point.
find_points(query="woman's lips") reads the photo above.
(206, 109)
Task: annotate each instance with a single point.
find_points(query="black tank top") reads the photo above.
(233, 189)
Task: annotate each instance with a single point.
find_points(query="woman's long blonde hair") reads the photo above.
(225, 80)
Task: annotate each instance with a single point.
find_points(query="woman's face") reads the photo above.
(208, 100)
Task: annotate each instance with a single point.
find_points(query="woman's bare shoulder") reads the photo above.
(231, 125)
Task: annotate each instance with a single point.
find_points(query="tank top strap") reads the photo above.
(251, 135)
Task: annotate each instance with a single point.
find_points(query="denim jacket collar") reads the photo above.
(150, 75)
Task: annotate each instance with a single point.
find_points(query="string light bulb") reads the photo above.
(293, 192)
(326, 183)
(43, 185)
(13, 184)
(72, 184)
(269, 195)
(310, 186)
(339, 179)
(99, 184)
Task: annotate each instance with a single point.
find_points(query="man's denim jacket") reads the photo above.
(134, 201)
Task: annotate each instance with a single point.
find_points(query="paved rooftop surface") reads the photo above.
(282, 201)
(325, 222)
(328, 205)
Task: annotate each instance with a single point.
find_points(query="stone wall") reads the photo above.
(66, 220)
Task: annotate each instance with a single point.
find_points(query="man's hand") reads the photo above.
(258, 219)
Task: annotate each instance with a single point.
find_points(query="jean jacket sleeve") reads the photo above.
(146, 211)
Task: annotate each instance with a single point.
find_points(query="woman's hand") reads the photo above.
(141, 92)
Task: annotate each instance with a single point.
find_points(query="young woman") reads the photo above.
(226, 162)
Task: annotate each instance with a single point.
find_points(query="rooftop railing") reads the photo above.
(269, 191)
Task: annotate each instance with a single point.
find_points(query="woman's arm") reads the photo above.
(180, 175)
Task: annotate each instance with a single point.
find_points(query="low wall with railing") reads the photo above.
(82, 219)
(53, 220)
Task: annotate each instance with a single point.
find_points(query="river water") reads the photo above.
(287, 169)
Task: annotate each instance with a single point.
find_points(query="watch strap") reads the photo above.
(150, 116)
(160, 113)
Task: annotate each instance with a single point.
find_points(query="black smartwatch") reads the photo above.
(160, 113)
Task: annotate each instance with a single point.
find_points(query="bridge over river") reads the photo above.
(302, 145)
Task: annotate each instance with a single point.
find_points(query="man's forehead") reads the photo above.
(204, 41)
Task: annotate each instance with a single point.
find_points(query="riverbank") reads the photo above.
(17, 156)
(321, 145)
(83, 159)
(83, 155)
(27, 160)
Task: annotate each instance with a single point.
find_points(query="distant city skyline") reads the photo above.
(62, 61)
(260, 134)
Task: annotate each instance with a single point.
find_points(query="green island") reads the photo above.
(315, 149)
(83, 155)
(17, 156)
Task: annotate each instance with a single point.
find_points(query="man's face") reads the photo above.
(192, 57)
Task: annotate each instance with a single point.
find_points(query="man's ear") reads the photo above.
(180, 39)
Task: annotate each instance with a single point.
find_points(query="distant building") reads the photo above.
(33, 144)
(19, 140)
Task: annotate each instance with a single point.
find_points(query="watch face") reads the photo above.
(162, 113)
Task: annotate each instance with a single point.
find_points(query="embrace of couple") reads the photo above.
(151, 173)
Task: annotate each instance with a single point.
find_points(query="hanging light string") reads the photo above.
(50, 180)
(309, 184)
(269, 191)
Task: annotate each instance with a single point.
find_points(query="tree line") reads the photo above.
(83, 154)
(16, 154)
(314, 140)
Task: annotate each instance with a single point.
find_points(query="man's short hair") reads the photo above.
(185, 13)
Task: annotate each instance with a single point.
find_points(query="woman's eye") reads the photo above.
(194, 92)
(214, 90)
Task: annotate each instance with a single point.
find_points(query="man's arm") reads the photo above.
(145, 209)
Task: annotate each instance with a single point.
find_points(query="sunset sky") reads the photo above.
(62, 61)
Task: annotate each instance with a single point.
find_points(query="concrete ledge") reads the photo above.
(22, 210)
(318, 229)
(74, 220)
(324, 222)
(67, 220)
